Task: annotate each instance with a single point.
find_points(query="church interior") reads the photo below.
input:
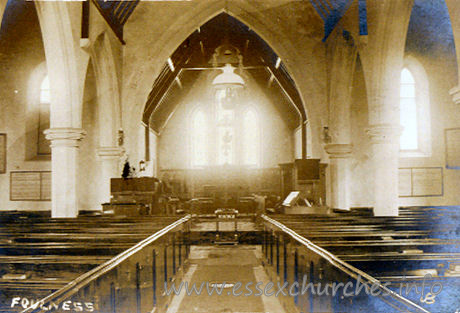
(290, 155)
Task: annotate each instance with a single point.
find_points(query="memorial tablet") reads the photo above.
(2, 153)
(421, 182)
(30, 186)
(427, 182)
(45, 186)
(453, 148)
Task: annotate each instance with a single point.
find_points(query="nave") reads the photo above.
(292, 142)
(113, 264)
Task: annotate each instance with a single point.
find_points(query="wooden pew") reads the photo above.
(39, 255)
(420, 240)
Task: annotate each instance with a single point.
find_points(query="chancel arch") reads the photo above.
(282, 41)
(204, 123)
(192, 68)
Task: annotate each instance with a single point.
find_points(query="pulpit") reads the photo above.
(306, 176)
(135, 196)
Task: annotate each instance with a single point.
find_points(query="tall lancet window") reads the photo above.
(225, 123)
(199, 138)
(409, 139)
(250, 138)
(44, 117)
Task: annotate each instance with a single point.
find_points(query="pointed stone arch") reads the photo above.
(66, 62)
(266, 28)
(67, 65)
(454, 12)
(108, 89)
(109, 111)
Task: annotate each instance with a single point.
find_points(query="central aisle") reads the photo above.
(225, 264)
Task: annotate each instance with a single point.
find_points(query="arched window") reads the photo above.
(415, 140)
(44, 117)
(408, 112)
(250, 138)
(45, 90)
(199, 138)
(224, 135)
(225, 128)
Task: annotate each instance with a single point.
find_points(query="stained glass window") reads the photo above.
(228, 133)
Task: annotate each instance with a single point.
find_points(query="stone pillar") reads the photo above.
(339, 169)
(454, 12)
(110, 159)
(64, 154)
(385, 149)
(382, 59)
(341, 51)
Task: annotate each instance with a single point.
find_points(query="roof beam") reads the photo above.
(116, 13)
(292, 98)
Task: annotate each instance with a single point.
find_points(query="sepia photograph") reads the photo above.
(230, 156)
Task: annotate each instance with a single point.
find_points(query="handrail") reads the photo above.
(340, 264)
(75, 285)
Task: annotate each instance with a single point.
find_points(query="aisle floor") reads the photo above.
(212, 266)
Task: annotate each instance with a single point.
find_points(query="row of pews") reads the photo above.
(420, 247)
(39, 254)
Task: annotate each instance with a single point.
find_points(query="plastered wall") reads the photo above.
(277, 144)
(22, 68)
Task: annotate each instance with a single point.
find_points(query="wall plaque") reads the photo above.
(421, 182)
(2, 153)
(452, 137)
(45, 186)
(427, 182)
(30, 186)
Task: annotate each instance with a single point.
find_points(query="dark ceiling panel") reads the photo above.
(332, 11)
(116, 13)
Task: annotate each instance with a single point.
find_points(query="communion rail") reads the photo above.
(133, 281)
(311, 274)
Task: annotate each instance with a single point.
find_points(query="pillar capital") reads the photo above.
(383, 133)
(65, 136)
(339, 150)
(110, 152)
(455, 93)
